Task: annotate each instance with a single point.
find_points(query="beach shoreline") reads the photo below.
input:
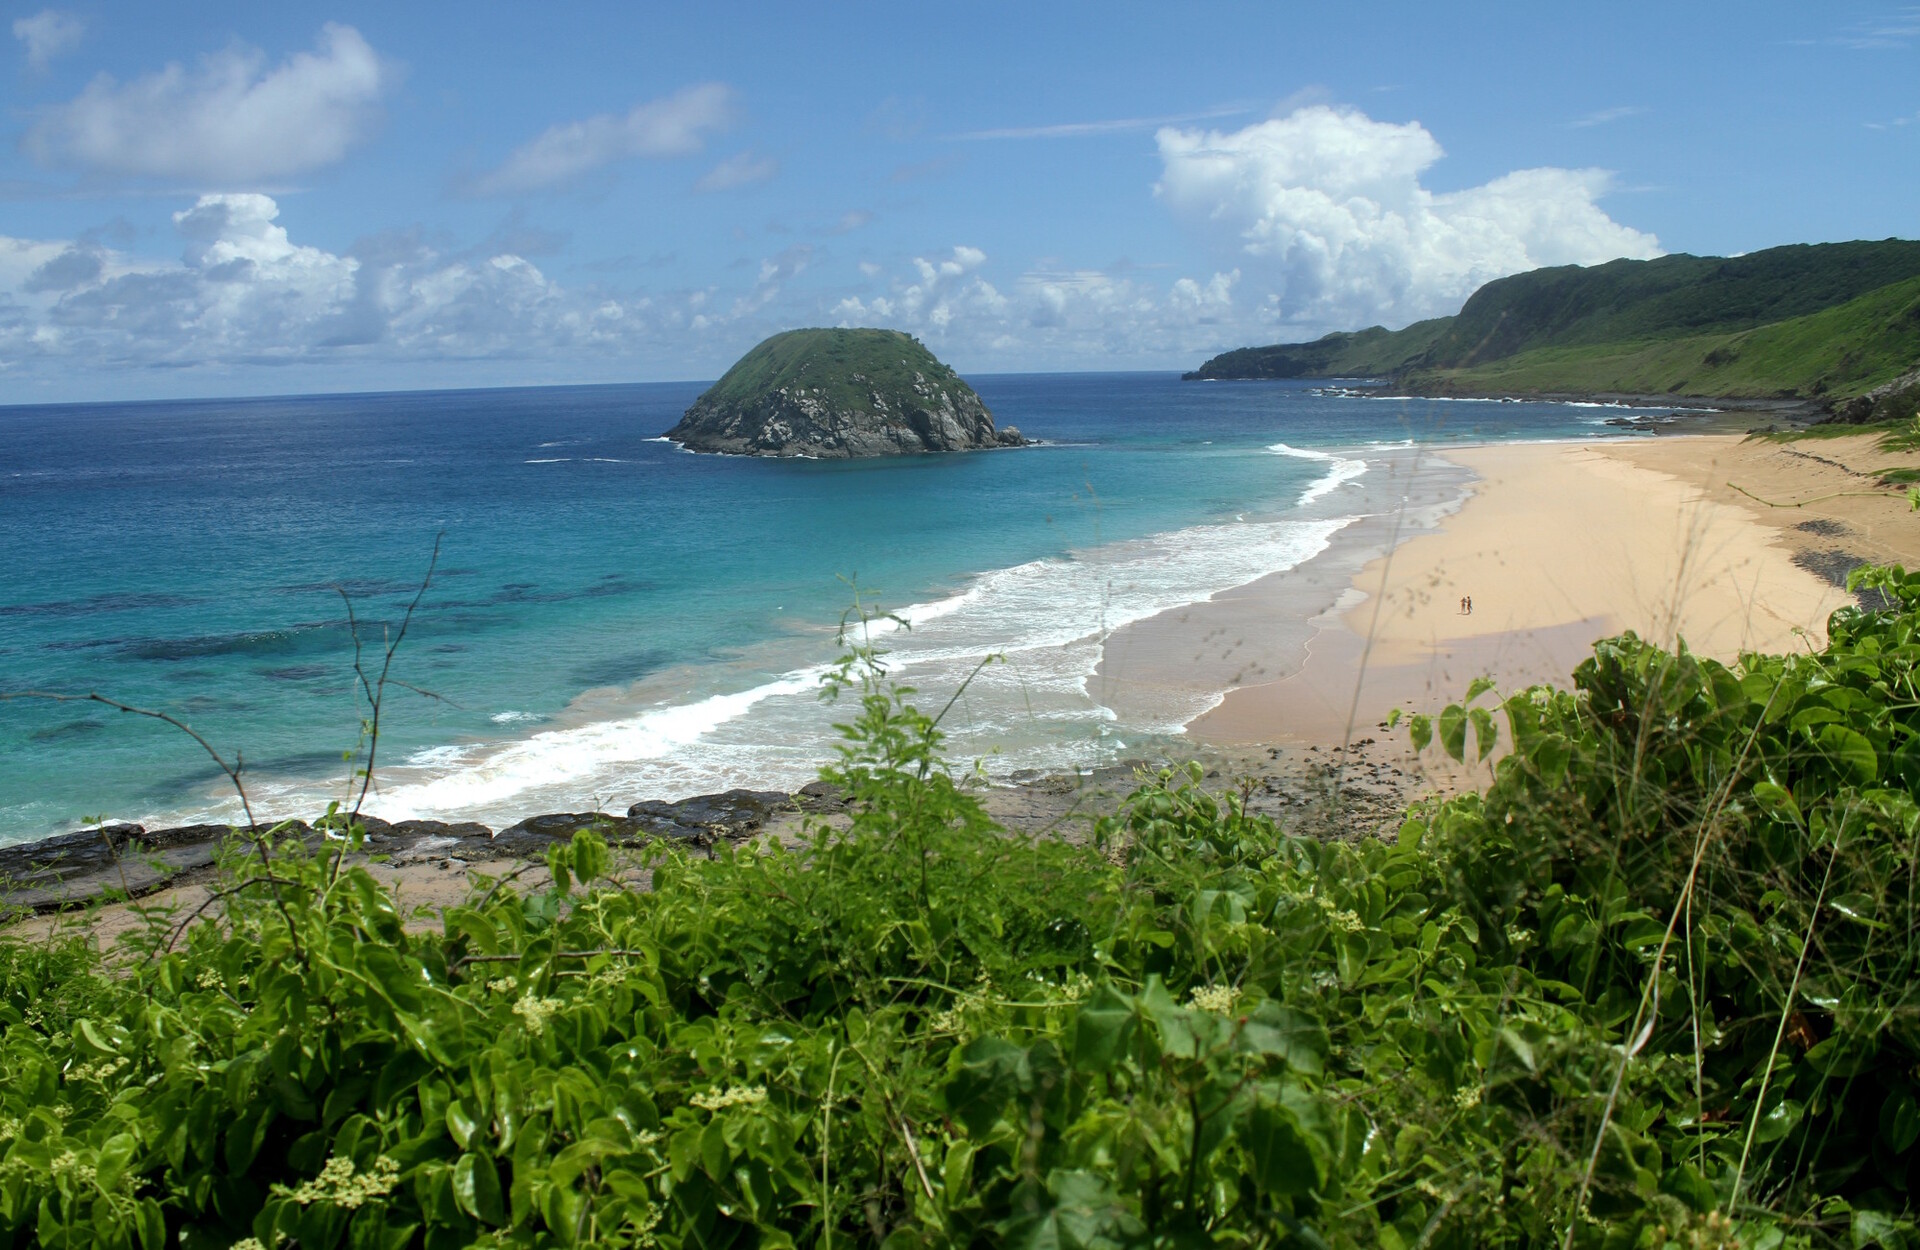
(1561, 544)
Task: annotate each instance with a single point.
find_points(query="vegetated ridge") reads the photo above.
(1823, 321)
(840, 394)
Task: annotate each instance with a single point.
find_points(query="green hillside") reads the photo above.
(1644, 326)
(1839, 351)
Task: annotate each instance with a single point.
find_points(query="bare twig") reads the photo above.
(375, 690)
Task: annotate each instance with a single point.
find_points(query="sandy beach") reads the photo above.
(1559, 544)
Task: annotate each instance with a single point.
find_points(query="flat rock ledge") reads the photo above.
(1320, 794)
(122, 861)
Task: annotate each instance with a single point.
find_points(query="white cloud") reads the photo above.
(675, 125)
(1048, 318)
(47, 34)
(245, 293)
(1602, 116)
(741, 170)
(231, 121)
(1324, 210)
(1110, 126)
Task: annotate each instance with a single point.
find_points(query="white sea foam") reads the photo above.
(565, 758)
(1048, 620)
(555, 460)
(515, 718)
(1341, 470)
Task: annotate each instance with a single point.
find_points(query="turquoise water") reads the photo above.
(612, 617)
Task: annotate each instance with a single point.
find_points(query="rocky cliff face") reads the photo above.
(840, 394)
(1898, 400)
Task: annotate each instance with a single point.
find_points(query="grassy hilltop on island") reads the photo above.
(839, 394)
(1815, 322)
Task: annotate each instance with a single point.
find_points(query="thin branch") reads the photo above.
(386, 666)
(1838, 494)
(258, 836)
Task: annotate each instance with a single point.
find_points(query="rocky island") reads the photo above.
(840, 394)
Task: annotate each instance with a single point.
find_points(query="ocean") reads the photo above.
(613, 618)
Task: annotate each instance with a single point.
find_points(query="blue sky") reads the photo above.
(242, 198)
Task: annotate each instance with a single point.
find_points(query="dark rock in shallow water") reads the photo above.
(840, 394)
(733, 814)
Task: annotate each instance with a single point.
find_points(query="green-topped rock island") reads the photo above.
(840, 394)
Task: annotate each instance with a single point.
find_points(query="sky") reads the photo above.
(236, 198)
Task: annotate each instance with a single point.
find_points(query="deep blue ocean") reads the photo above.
(613, 617)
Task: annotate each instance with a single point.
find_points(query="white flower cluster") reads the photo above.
(505, 985)
(210, 980)
(1338, 917)
(951, 1021)
(67, 1164)
(1518, 936)
(535, 1012)
(340, 1185)
(247, 1243)
(95, 1071)
(1215, 998)
(1467, 1097)
(736, 1096)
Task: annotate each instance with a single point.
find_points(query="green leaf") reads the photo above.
(1877, 1228)
(1776, 797)
(1477, 687)
(1101, 1029)
(1420, 729)
(1284, 1163)
(1899, 1121)
(1485, 732)
(1292, 1036)
(991, 1071)
(1850, 751)
(1453, 731)
(460, 1125)
(476, 1187)
(1550, 756)
(957, 1172)
(589, 855)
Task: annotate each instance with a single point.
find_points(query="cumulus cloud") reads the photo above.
(243, 292)
(675, 125)
(1042, 318)
(1326, 211)
(741, 170)
(232, 120)
(47, 34)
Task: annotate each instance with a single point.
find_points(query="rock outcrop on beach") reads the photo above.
(1898, 400)
(840, 394)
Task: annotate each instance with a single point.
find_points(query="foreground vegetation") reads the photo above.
(1824, 321)
(1655, 987)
